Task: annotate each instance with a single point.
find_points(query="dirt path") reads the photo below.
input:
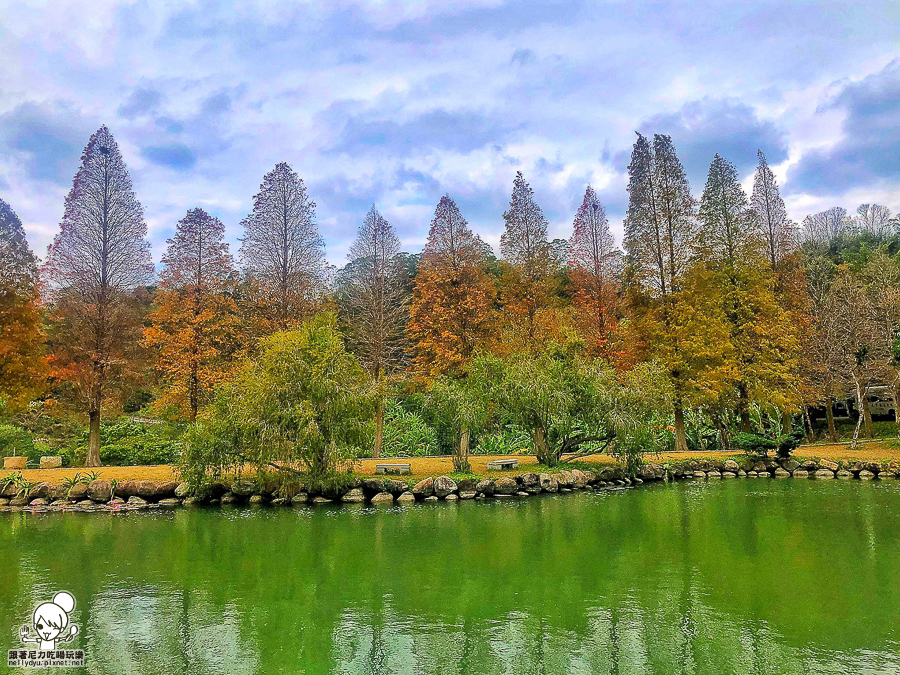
(433, 466)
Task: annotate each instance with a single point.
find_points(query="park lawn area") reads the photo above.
(422, 467)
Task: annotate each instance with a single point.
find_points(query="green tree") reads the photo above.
(567, 403)
(302, 404)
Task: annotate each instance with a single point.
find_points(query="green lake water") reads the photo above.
(739, 576)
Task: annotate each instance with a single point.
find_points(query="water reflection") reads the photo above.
(730, 577)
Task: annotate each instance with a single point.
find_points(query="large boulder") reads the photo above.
(354, 496)
(241, 487)
(424, 488)
(149, 489)
(51, 462)
(566, 479)
(824, 473)
(731, 465)
(790, 464)
(505, 486)
(406, 498)
(548, 482)
(865, 474)
(591, 477)
(810, 465)
(781, 473)
(531, 483)
(443, 486)
(801, 473)
(828, 464)
(78, 492)
(182, 491)
(466, 485)
(383, 498)
(99, 490)
(486, 487)
(579, 479)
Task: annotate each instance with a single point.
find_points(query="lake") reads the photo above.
(737, 576)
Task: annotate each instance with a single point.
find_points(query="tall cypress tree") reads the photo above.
(660, 228)
(770, 215)
(23, 370)
(375, 305)
(763, 341)
(100, 255)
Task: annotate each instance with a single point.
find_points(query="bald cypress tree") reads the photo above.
(769, 214)
(594, 267)
(23, 371)
(100, 255)
(527, 284)
(660, 228)
(281, 250)
(375, 305)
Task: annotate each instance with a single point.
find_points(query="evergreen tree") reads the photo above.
(23, 369)
(98, 258)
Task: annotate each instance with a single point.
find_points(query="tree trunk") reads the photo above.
(379, 427)
(895, 394)
(867, 417)
(541, 449)
(461, 461)
(93, 453)
(680, 435)
(744, 408)
(787, 422)
(829, 415)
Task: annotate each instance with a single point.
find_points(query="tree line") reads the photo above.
(738, 316)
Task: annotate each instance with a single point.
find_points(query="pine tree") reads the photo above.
(23, 368)
(594, 264)
(451, 311)
(97, 259)
(281, 250)
(192, 327)
(375, 305)
(527, 287)
(770, 215)
(660, 228)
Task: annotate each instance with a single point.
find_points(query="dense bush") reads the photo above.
(505, 442)
(125, 442)
(406, 434)
(15, 441)
(754, 444)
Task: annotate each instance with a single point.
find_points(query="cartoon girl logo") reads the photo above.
(50, 620)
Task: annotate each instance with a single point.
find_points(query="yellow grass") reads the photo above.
(433, 466)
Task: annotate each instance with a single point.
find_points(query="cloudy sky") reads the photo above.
(398, 103)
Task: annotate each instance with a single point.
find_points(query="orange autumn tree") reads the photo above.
(23, 369)
(453, 296)
(193, 325)
(594, 269)
(528, 286)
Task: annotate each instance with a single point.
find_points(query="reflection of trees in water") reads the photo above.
(746, 576)
(152, 630)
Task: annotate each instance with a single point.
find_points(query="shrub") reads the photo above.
(509, 440)
(753, 444)
(406, 434)
(15, 442)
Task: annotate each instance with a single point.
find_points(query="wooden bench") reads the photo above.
(392, 468)
(501, 464)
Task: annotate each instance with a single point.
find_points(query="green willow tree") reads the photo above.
(301, 405)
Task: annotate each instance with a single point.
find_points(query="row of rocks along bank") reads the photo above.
(129, 495)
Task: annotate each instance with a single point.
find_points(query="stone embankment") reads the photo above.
(129, 495)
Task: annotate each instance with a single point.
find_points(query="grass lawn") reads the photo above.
(871, 451)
